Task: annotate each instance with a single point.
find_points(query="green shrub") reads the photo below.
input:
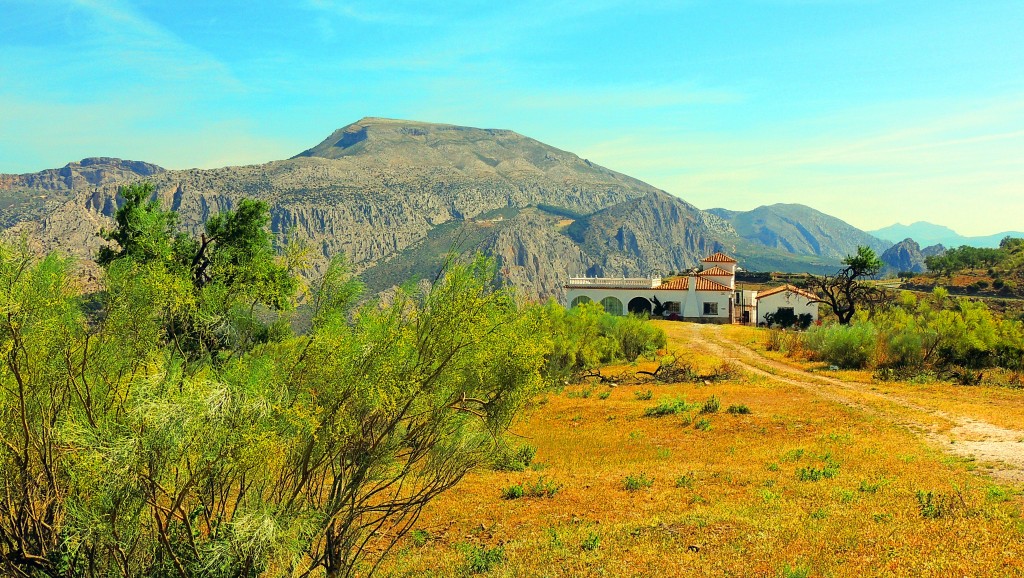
(686, 481)
(813, 474)
(481, 559)
(512, 492)
(669, 407)
(604, 395)
(711, 405)
(739, 409)
(543, 488)
(636, 336)
(703, 424)
(633, 483)
(933, 505)
(871, 487)
(795, 571)
(584, 337)
(904, 348)
(420, 537)
(643, 395)
(591, 542)
(514, 459)
(793, 455)
(846, 346)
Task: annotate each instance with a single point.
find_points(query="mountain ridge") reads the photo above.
(387, 193)
(927, 233)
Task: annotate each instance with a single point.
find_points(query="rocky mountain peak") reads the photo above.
(907, 255)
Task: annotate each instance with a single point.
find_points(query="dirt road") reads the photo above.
(967, 436)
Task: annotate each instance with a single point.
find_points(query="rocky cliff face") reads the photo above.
(533, 255)
(907, 255)
(370, 190)
(31, 197)
(653, 234)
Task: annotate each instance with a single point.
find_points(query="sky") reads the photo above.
(873, 111)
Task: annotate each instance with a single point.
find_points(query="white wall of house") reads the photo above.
(730, 267)
(800, 303)
(691, 303)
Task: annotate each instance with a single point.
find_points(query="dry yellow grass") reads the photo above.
(997, 405)
(746, 513)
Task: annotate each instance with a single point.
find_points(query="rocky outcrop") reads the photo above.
(650, 235)
(907, 255)
(32, 197)
(534, 256)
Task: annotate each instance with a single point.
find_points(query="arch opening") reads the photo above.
(612, 305)
(640, 306)
(580, 300)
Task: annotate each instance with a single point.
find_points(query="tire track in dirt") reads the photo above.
(967, 437)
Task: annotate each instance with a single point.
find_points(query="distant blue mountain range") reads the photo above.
(931, 234)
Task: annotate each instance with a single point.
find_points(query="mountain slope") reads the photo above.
(32, 196)
(366, 197)
(652, 234)
(907, 255)
(799, 230)
(393, 197)
(390, 196)
(931, 234)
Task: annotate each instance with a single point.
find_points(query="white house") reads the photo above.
(706, 296)
(786, 297)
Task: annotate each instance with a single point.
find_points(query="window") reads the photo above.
(787, 311)
(612, 306)
(579, 301)
(711, 308)
(671, 307)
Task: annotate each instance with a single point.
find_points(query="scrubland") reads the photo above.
(820, 478)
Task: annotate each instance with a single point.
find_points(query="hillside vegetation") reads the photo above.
(171, 424)
(995, 272)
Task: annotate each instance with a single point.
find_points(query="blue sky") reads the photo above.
(873, 111)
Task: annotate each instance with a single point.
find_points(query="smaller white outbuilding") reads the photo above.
(789, 297)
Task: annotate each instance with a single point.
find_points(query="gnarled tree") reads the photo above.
(845, 291)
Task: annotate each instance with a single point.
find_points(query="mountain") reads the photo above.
(31, 196)
(932, 234)
(907, 255)
(393, 197)
(369, 191)
(799, 230)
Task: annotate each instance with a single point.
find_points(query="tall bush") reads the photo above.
(585, 337)
(846, 346)
(120, 455)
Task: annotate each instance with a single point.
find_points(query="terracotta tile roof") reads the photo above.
(683, 284)
(790, 288)
(676, 284)
(705, 284)
(718, 258)
(716, 272)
